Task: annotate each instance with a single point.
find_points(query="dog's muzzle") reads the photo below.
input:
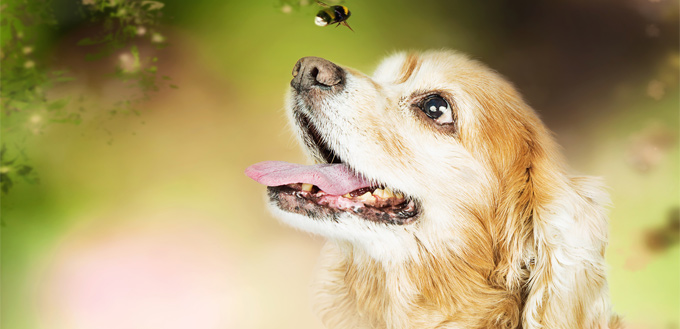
(312, 73)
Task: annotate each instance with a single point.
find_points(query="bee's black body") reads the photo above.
(332, 15)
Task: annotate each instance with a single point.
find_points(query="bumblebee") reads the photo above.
(332, 15)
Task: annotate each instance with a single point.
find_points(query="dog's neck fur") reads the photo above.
(443, 291)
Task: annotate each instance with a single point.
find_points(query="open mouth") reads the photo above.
(331, 188)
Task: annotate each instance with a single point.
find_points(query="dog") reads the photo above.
(444, 199)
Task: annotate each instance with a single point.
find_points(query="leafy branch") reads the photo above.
(25, 80)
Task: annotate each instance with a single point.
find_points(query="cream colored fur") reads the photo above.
(506, 239)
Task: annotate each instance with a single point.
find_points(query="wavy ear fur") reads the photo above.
(550, 230)
(563, 250)
(567, 286)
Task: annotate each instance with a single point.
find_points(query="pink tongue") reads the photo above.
(334, 179)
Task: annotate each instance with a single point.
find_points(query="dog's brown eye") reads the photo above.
(438, 109)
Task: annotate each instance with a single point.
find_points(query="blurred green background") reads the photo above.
(129, 207)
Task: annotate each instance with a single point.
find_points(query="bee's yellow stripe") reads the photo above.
(345, 9)
(330, 13)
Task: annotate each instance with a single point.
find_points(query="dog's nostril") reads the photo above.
(314, 73)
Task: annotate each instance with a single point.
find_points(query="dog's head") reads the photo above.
(437, 129)
(434, 156)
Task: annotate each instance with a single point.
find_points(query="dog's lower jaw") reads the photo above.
(384, 243)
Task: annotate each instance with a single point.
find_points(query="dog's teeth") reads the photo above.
(379, 192)
(307, 187)
(346, 195)
(399, 195)
(387, 193)
(367, 197)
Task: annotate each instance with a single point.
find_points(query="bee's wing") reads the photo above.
(321, 4)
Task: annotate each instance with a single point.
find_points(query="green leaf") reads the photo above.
(73, 118)
(24, 170)
(6, 183)
(135, 54)
(130, 31)
(18, 26)
(153, 5)
(95, 41)
(5, 36)
(58, 104)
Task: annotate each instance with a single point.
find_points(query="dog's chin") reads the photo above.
(384, 243)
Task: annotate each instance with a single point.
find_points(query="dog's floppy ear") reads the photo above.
(554, 231)
(567, 287)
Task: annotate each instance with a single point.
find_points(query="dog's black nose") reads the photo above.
(310, 72)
